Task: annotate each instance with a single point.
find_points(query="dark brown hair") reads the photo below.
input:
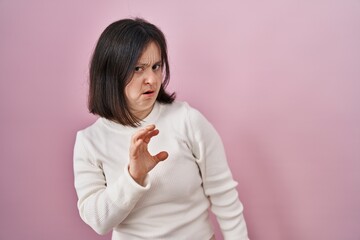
(112, 66)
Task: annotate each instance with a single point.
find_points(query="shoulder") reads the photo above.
(180, 111)
(92, 131)
(193, 115)
(183, 114)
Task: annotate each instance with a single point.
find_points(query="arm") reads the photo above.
(102, 207)
(218, 183)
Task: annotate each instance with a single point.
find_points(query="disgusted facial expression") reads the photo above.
(142, 90)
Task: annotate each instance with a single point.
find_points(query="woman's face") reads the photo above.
(142, 90)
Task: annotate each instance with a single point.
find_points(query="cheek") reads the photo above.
(127, 92)
(130, 89)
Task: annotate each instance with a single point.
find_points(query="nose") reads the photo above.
(150, 77)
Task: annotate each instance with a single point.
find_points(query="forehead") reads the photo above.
(150, 54)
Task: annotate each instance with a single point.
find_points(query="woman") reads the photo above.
(130, 177)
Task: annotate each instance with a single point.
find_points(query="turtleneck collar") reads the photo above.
(150, 119)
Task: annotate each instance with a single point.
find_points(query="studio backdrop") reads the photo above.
(279, 80)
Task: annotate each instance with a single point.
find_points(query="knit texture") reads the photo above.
(178, 192)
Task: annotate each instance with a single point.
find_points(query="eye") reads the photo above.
(156, 66)
(139, 69)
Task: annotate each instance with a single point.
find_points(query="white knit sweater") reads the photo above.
(174, 202)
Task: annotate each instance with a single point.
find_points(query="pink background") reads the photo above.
(280, 80)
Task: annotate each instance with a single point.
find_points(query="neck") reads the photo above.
(141, 115)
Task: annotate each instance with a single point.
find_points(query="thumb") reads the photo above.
(161, 156)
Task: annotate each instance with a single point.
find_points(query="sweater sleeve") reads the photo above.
(102, 207)
(218, 182)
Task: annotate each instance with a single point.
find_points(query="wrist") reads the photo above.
(138, 178)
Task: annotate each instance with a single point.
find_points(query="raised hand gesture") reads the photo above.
(141, 161)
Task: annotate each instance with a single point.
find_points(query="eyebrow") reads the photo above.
(147, 64)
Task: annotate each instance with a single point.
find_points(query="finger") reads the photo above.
(136, 146)
(150, 127)
(161, 156)
(150, 135)
(142, 132)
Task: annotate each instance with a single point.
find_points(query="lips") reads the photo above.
(148, 92)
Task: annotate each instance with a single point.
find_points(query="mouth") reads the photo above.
(148, 92)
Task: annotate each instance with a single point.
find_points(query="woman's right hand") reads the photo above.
(141, 161)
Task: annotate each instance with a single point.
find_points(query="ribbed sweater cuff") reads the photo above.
(126, 191)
